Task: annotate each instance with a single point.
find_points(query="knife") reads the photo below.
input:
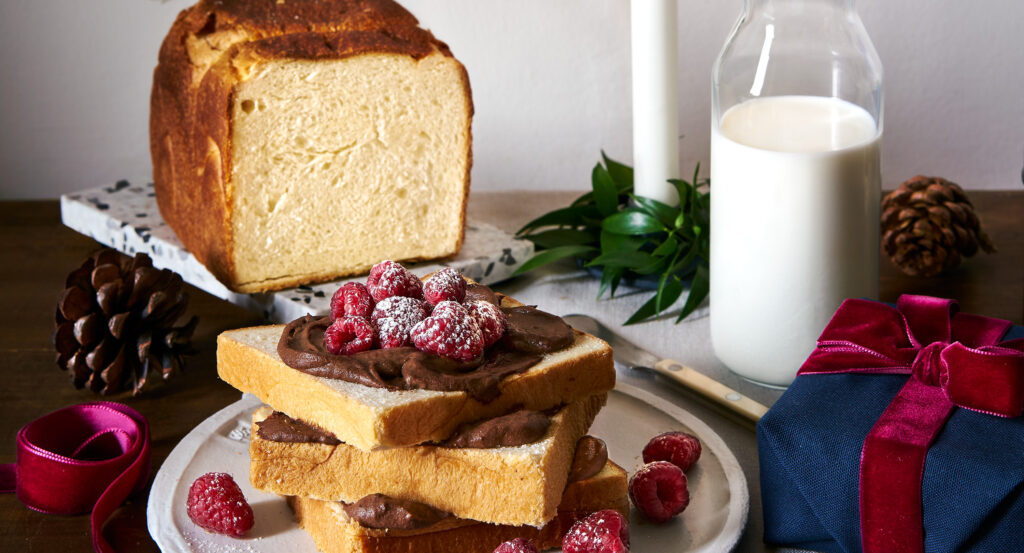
(632, 356)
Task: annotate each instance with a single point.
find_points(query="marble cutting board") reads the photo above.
(125, 217)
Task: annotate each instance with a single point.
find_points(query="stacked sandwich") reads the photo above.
(457, 424)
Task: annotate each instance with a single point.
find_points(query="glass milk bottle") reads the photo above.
(796, 126)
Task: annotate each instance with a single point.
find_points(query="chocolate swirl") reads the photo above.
(380, 511)
(530, 334)
(534, 331)
(279, 427)
(591, 456)
(514, 429)
(479, 292)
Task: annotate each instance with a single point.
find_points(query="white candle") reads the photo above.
(655, 94)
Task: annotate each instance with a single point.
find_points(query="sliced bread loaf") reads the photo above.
(300, 141)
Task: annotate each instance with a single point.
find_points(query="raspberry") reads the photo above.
(351, 299)
(490, 318)
(445, 285)
(401, 307)
(601, 532)
(216, 504)
(518, 545)
(658, 489)
(449, 331)
(388, 278)
(679, 448)
(348, 335)
(395, 317)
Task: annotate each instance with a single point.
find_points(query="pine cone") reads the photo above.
(928, 224)
(115, 324)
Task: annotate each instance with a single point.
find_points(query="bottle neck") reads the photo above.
(798, 5)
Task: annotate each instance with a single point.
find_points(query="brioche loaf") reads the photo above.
(299, 141)
(334, 532)
(523, 483)
(371, 418)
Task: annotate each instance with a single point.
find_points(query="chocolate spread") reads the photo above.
(591, 456)
(480, 292)
(279, 427)
(515, 429)
(530, 334)
(532, 330)
(380, 511)
(518, 428)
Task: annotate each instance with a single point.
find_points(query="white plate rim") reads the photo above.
(739, 503)
(167, 477)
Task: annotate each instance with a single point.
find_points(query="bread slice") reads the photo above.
(505, 485)
(334, 532)
(372, 418)
(297, 142)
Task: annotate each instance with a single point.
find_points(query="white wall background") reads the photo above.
(550, 82)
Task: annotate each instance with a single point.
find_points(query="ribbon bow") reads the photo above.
(954, 360)
(81, 458)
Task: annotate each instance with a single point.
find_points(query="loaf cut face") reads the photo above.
(338, 164)
(302, 141)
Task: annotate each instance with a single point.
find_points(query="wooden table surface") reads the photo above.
(37, 252)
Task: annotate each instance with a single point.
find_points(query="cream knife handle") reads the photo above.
(711, 389)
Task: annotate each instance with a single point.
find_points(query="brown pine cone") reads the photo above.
(115, 324)
(928, 224)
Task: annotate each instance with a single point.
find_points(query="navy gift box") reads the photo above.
(810, 446)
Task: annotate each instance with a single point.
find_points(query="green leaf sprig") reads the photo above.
(631, 236)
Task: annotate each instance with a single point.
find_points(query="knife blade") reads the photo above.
(634, 357)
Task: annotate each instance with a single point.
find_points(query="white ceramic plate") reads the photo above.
(712, 523)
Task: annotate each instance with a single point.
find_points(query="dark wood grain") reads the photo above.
(36, 252)
(987, 284)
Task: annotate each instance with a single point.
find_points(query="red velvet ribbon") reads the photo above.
(81, 458)
(953, 359)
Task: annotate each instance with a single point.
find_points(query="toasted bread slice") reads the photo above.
(334, 532)
(371, 418)
(517, 485)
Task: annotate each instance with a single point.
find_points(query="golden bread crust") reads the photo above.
(334, 533)
(584, 369)
(425, 417)
(212, 47)
(524, 485)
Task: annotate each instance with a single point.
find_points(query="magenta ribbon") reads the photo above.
(953, 359)
(81, 458)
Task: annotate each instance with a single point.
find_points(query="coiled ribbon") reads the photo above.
(81, 458)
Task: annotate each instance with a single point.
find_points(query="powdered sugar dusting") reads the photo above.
(517, 545)
(207, 545)
(349, 335)
(395, 317)
(490, 318)
(445, 285)
(388, 278)
(215, 503)
(241, 432)
(449, 331)
(352, 298)
(605, 531)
